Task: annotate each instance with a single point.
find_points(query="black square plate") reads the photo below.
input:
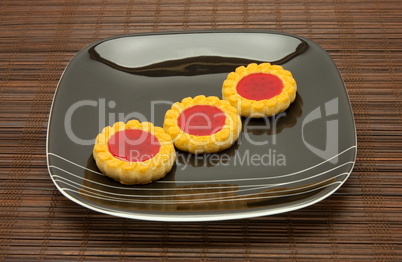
(279, 164)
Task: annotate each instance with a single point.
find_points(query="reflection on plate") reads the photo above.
(279, 164)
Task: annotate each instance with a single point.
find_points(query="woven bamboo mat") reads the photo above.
(362, 221)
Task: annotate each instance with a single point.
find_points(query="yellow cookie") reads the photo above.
(134, 153)
(260, 90)
(202, 124)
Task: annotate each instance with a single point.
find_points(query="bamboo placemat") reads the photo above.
(362, 221)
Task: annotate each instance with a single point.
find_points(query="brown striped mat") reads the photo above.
(362, 221)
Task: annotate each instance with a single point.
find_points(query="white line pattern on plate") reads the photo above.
(71, 162)
(224, 180)
(220, 199)
(253, 187)
(70, 182)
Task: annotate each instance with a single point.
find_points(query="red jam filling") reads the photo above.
(201, 120)
(259, 86)
(133, 145)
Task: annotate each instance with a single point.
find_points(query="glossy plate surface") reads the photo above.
(279, 164)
